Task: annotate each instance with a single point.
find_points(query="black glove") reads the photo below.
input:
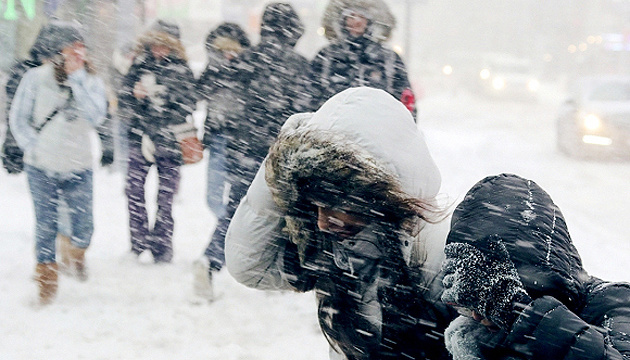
(107, 158)
(485, 282)
(12, 158)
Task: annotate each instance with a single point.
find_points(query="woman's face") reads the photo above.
(356, 24)
(339, 223)
(160, 51)
(74, 56)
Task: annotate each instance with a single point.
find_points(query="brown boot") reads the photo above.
(64, 245)
(46, 277)
(77, 262)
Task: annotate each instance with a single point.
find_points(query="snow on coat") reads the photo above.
(573, 315)
(171, 99)
(350, 61)
(265, 247)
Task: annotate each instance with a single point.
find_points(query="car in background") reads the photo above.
(507, 76)
(594, 120)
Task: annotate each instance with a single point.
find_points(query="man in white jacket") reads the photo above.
(344, 204)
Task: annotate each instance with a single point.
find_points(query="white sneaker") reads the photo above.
(202, 282)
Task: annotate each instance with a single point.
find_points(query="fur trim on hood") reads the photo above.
(382, 20)
(156, 37)
(227, 30)
(533, 230)
(341, 157)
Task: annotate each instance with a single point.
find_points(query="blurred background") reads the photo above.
(558, 38)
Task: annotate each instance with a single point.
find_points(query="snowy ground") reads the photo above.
(131, 310)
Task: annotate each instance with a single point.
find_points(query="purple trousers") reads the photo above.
(159, 237)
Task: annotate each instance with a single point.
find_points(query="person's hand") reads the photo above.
(12, 159)
(486, 283)
(140, 91)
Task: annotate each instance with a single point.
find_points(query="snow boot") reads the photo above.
(64, 244)
(77, 262)
(72, 259)
(202, 285)
(46, 276)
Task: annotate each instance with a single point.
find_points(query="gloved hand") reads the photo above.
(12, 159)
(107, 158)
(485, 282)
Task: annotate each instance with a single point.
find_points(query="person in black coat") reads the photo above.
(156, 97)
(272, 75)
(355, 58)
(513, 272)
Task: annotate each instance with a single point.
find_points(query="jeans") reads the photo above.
(159, 239)
(240, 179)
(216, 196)
(46, 189)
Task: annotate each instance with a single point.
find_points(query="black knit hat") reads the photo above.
(55, 36)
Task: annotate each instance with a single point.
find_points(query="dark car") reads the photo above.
(594, 121)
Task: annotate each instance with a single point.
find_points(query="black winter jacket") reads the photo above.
(272, 76)
(573, 315)
(154, 114)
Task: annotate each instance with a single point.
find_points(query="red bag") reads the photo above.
(191, 147)
(192, 150)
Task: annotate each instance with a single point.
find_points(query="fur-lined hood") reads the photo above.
(364, 127)
(382, 20)
(160, 37)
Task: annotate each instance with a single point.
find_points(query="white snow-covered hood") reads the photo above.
(381, 125)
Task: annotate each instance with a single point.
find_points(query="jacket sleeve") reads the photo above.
(89, 92)
(21, 110)
(254, 243)
(549, 330)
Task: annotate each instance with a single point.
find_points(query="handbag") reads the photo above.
(190, 145)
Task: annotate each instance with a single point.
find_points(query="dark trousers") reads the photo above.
(159, 238)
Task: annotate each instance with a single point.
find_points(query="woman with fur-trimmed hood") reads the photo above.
(356, 55)
(344, 205)
(157, 95)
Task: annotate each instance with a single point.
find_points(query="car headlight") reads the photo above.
(533, 85)
(592, 122)
(498, 83)
(484, 74)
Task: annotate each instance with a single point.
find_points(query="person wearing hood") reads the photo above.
(55, 109)
(514, 274)
(156, 97)
(345, 205)
(272, 77)
(356, 56)
(224, 104)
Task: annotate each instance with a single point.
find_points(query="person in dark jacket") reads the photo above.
(513, 272)
(224, 104)
(157, 95)
(272, 74)
(355, 57)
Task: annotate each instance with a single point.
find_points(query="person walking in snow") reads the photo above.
(224, 104)
(513, 272)
(344, 205)
(356, 55)
(272, 75)
(157, 95)
(55, 108)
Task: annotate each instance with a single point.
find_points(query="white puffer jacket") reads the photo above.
(377, 123)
